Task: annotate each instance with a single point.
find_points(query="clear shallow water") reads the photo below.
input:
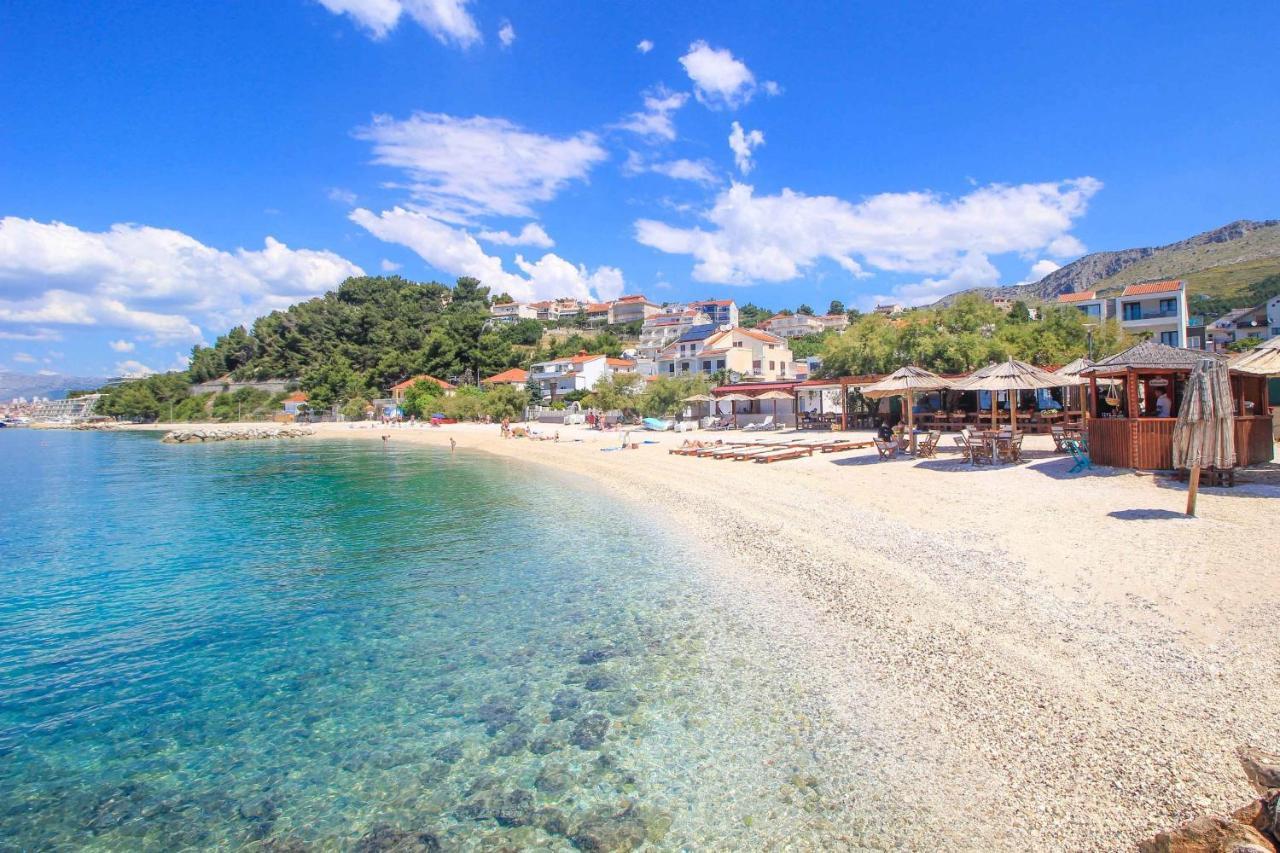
(292, 645)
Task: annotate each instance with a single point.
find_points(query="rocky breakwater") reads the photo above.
(189, 436)
(1254, 828)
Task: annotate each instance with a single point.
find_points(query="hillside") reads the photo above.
(1220, 263)
(53, 386)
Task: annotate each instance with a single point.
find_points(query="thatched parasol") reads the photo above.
(733, 398)
(775, 396)
(1012, 376)
(1262, 360)
(906, 382)
(1205, 431)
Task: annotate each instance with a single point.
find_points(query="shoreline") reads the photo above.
(1072, 661)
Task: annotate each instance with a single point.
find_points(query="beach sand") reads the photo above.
(1060, 661)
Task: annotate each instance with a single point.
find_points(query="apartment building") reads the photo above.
(580, 372)
(1088, 303)
(793, 325)
(723, 312)
(629, 309)
(746, 353)
(1157, 308)
(511, 312)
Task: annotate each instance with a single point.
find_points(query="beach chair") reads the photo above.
(886, 449)
(778, 454)
(1079, 450)
(840, 444)
(927, 447)
(980, 451)
(1010, 448)
(1059, 438)
(962, 442)
(748, 452)
(767, 423)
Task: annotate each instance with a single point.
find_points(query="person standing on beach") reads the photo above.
(453, 445)
(506, 428)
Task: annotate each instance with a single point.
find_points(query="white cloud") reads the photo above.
(461, 168)
(655, 119)
(776, 238)
(32, 335)
(719, 79)
(742, 143)
(644, 46)
(454, 251)
(1066, 246)
(153, 280)
(24, 358)
(973, 270)
(388, 265)
(1039, 270)
(132, 369)
(506, 34)
(532, 234)
(121, 345)
(771, 88)
(341, 195)
(698, 171)
(447, 20)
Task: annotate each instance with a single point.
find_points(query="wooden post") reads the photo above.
(1131, 394)
(1193, 486)
(844, 405)
(1013, 412)
(911, 420)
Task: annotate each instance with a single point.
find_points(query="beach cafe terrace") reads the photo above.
(1125, 430)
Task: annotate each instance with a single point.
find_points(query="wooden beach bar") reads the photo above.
(1125, 429)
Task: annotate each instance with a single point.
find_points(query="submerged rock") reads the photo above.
(595, 656)
(563, 704)
(514, 809)
(604, 831)
(553, 779)
(599, 682)
(450, 754)
(544, 744)
(1261, 768)
(590, 731)
(509, 745)
(386, 839)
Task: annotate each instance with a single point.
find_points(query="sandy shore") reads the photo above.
(1067, 660)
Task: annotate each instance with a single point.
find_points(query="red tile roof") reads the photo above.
(515, 374)
(620, 362)
(597, 307)
(296, 397)
(1152, 287)
(713, 302)
(412, 380)
(636, 298)
(760, 336)
(1081, 296)
(748, 387)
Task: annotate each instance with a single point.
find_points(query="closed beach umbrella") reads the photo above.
(1205, 431)
(906, 382)
(1262, 360)
(731, 399)
(1012, 376)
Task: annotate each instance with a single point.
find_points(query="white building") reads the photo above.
(1273, 316)
(793, 325)
(1088, 303)
(511, 312)
(1240, 324)
(744, 353)
(70, 410)
(660, 330)
(723, 312)
(892, 309)
(579, 372)
(834, 322)
(629, 309)
(1156, 308)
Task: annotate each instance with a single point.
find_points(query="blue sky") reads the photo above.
(168, 170)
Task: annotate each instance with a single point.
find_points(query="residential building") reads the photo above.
(744, 353)
(70, 410)
(293, 401)
(515, 377)
(557, 309)
(598, 313)
(398, 390)
(834, 322)
(511, 312)
(662, 329)
(1088, 302)
(891, 309)
(629, 309)
(1156, 308)
(723, 312)
(1239, 324)
(580, 372)
(1273, 316)
(793, 325)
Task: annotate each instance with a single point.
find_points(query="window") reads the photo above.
(1168, 306)
(1133, 310)
(1091, 310)
(1169, 338)
(671, 368)
(706, 366)
(772, 366)
(720, 361)
(755, 365)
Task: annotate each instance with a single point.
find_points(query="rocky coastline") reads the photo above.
(196, 436)
(1252, 828)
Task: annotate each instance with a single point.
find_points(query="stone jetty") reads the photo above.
(189, 436)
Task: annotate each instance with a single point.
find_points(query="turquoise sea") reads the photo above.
(329, 645)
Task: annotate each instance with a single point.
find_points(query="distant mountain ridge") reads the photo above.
(1215, 263)
(53, 386)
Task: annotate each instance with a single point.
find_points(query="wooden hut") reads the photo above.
(1132, 435)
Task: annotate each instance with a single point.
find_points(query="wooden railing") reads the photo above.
(1155, 444)
(1109, 441)
(1253, 440)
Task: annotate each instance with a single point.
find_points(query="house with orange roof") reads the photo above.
(598, 313)
(750, 354)
(1157, 309)
(1088, 303)
(514, 377)
(397, 390)
(293, 401)
(723, 312)
(511, 312)
(629, 309)
(580, 372)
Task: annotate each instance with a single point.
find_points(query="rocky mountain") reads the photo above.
(52, 385)
(1213, 263)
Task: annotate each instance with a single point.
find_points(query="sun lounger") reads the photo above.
(767, 423)
(778, 454)
(751, 452)
(841, 444)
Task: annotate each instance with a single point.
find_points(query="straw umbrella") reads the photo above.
(1071, 378)
(1205, 431)
(906, 382)
(1262, 360)
(1012, 376)
(733, 398)
(700, 398)
(775, 396)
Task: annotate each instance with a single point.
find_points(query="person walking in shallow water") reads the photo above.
(453, 445)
